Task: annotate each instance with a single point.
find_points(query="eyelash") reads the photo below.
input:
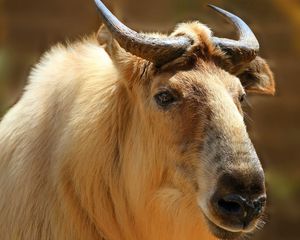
(165, 98)
(242, 97)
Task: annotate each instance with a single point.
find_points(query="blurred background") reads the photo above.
(28, 28)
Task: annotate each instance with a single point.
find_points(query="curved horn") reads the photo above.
(244, 49)
(156, 50)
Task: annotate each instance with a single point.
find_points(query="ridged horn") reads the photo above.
(246, 47)
(157, 50)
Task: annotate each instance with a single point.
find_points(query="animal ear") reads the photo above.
(111, 46)
(124, 61)
(258, 77)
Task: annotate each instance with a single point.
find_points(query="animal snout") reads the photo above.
(239, 210)
(239, 199)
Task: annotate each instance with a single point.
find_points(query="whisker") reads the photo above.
(245, 236)
(247, 117)
(248, 103)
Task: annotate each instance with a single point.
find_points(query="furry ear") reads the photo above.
(258, 77)
(127, 64)
(130, 67)
(111, 46)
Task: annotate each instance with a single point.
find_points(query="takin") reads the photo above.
(135, 136)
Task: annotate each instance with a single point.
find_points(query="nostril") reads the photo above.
(230, 207)
(232, 204)
(238, 210)
(262, 200)
(259, 204)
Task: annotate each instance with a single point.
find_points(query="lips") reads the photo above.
(222, 233)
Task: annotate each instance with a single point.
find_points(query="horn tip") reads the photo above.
(218, 9)
(213, 7)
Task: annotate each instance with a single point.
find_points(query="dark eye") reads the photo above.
(164, 98)
(242, 97)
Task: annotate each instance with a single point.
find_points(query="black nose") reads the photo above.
(239, 210)
(239, 199)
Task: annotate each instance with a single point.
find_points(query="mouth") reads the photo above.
(222, 233)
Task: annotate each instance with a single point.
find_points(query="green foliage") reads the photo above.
(283, 186)
(4, 71)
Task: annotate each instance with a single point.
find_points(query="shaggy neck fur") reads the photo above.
(94, 168)
(135, 199)
(118, 173)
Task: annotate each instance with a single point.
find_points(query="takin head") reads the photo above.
(188, 89)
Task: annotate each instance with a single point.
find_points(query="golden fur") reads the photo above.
(81, 158)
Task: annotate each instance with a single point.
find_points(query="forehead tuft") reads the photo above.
(196, 30)
(201, 36)
(201, 49)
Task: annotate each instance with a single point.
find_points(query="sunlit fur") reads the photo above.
(87, 154)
